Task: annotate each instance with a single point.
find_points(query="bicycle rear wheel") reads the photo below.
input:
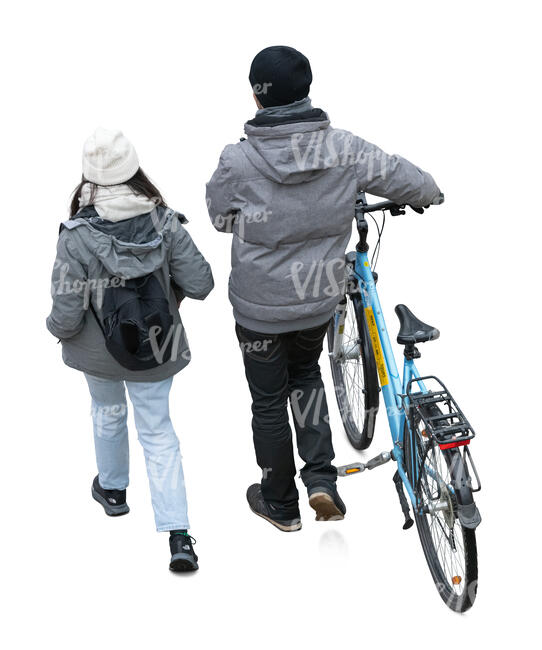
(355, 375)
(449, 547)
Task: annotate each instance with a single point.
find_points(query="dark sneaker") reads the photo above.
(113, 501)
(262, 509)
(328, 504)
(183, 557)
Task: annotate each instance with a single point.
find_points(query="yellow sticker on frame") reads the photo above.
(377, 348)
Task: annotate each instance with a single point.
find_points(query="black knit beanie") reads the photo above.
(280, 75)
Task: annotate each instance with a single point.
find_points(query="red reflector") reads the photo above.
(450, 445)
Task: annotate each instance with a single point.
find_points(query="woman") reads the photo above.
(124, 262)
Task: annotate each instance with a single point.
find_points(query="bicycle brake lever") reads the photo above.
(396, 211)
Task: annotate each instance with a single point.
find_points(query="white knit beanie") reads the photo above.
(109, 158)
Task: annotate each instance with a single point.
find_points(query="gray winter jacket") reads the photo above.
(90, 252)
(287, 193)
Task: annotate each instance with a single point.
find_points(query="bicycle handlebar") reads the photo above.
(383, 205)
(394, 208)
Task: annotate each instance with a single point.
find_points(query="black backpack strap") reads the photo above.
(173, 213)
(91, 306)
(175, 218)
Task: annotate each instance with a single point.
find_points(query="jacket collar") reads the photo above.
(311, 115)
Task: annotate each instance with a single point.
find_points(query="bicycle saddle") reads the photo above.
(412, 329)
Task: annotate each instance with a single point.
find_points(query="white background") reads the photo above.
(451, 86)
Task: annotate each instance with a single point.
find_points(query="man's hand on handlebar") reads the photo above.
(436, 201)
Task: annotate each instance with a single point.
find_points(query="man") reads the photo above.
(287, 193)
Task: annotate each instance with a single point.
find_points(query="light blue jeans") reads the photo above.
(155, 433)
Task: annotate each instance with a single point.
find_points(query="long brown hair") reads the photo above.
(139, 183)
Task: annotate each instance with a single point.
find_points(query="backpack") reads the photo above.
(136, 322)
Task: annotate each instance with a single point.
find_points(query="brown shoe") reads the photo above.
(328, 507)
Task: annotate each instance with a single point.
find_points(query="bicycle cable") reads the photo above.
(380, 230)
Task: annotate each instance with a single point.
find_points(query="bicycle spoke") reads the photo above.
(352, 371)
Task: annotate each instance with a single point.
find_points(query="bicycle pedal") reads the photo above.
(348, 470)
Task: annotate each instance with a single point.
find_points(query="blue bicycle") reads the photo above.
(430, 433)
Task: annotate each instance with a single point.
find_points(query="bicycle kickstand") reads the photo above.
(402, 500)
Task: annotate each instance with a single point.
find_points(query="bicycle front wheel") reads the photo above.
(449, 547)
(355, 375)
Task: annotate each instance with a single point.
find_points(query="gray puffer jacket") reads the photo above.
(90, 252)
(287, 193)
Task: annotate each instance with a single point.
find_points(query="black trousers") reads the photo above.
(282, 367)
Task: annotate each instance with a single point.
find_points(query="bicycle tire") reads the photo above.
(459, 602)
(359, 421)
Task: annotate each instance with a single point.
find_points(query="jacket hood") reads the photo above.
(288, 149)
(130, 248)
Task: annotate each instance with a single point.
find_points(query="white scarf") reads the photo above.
(116, 202)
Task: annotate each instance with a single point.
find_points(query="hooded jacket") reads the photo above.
(90, 252)
(287, 193)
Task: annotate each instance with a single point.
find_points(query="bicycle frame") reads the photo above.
(392, 387)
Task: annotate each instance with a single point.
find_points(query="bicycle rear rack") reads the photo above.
(443, 420)
(444, 424)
